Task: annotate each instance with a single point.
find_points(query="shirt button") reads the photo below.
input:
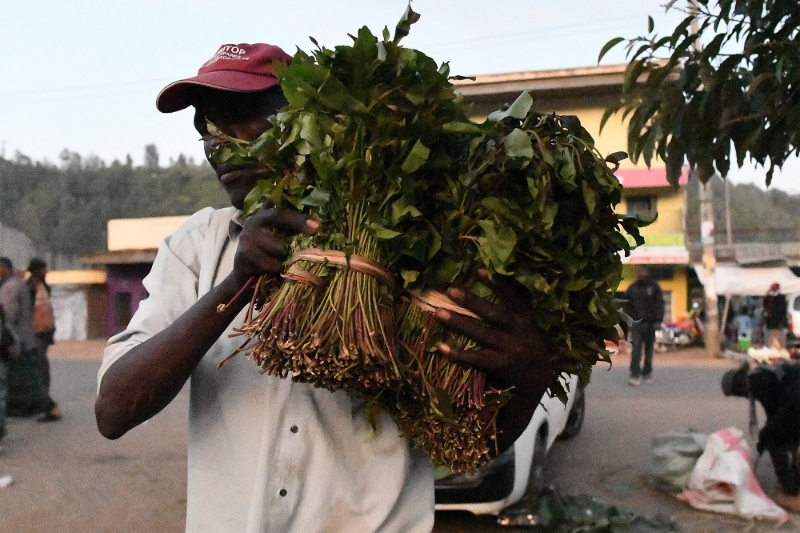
(294, 429)
(282, 492)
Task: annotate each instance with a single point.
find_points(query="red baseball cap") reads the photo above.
(235, 67)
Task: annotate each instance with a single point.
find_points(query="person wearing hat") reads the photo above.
(26, 394)
(775, 317)
(269, 454)
(6, 345)
(44, 326)
(777, 388)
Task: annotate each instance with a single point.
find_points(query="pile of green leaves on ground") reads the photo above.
(555, 513)
(414, 197)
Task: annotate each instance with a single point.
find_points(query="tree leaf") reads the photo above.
(608, 46)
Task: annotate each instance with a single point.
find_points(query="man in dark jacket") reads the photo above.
(645, 304)
(777, 389)
(775, 318)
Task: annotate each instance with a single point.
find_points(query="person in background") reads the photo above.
(744, 325)
(44, 326)
(26, 394)
(775, 317)
(777, 388)
(645, 305)
(5, 357)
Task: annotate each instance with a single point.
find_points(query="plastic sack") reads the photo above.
(674, 456)
(723, 482)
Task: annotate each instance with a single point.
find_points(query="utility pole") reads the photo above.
(707, 236)
(709, 266)
(728, 227)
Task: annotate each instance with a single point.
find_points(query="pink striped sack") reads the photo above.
(722, 480)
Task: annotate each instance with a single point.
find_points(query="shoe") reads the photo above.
(648, 379)
(53, 415)
(790, 503)
(635, 382)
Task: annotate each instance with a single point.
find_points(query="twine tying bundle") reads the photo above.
(335, 257)
(431, 300)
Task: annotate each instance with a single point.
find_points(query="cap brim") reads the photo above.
(182, 93)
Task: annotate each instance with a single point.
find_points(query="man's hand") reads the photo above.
(513, 354)
(262, 244)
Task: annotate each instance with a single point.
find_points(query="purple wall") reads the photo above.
(124, 291)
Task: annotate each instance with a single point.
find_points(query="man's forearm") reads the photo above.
(147, 378)
(515, 416)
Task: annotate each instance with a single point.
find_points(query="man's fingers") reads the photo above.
(284, 219)
(490, 313)
(472, 328)
(484, 359)
(514, 295)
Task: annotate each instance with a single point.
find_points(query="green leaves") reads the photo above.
(608, 46)
(404, 26)
(375, 144)
(496, 246)
(518, 144)
(519, 109)
(694, 96)
(416, 158)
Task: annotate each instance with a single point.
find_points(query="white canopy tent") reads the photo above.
(736, 280)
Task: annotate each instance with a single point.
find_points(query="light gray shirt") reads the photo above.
(15, 297)
(267, 454)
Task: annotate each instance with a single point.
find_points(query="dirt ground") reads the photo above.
(69, 479)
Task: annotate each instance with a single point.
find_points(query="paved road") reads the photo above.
(68, 479)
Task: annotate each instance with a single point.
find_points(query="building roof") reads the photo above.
(561, 83)
(640, 178)
(76, 277)
(140, 233)
(121, 257)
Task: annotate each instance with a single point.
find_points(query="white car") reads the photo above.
(519, 471)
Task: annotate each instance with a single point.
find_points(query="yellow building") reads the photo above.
(585, 93)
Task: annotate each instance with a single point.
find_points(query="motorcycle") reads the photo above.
(682, 333)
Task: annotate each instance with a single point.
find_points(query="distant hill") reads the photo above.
(64, 208)
(756, 215)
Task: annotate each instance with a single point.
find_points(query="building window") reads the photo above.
(641, 206)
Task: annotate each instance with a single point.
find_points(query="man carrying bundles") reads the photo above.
(315, 442)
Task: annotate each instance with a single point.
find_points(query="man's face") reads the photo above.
(240, 115)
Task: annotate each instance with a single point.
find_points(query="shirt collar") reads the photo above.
(236, 225)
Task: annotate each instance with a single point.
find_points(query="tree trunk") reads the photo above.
(709, 264)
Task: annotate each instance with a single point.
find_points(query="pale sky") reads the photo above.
(83, 75)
